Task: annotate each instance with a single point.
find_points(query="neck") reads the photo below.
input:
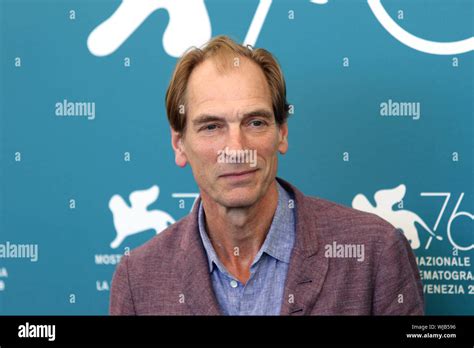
(237, 234)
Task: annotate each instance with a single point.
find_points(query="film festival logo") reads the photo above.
(405, 220)
(133, 219)
(189, 25)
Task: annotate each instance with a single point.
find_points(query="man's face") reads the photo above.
(230, 110)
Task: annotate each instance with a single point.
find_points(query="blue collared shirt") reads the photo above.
(263, 292)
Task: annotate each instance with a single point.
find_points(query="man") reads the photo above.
(254, 244)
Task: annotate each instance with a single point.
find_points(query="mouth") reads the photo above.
(239, 175)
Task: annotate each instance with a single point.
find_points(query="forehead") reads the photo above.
(241, 85)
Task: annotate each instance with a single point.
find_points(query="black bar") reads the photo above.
(136, 331)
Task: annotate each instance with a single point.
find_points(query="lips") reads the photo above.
(237, 174)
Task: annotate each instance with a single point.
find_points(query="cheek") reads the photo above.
(268, 150)
(202, 154)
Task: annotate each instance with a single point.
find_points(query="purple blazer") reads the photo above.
(169, 275)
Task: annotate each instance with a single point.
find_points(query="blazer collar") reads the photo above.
(197, 286)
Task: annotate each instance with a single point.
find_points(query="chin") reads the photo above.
(239, 197)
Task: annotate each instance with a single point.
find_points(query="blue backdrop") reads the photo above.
(382, 96)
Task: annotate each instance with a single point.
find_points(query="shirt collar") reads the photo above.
(278, 242)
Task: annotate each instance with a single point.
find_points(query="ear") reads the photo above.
(283, 138)
(178, 148)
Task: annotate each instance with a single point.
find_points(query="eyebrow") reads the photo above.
(260, 112)
(205, 118)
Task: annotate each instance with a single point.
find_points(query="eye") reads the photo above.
(209, 127)
(257, 123)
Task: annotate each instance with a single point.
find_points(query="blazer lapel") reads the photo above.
(308, 266)
(197, 286)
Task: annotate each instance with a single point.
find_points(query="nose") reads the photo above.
(235, 138)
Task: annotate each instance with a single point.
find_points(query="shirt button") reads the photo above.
(233, 283)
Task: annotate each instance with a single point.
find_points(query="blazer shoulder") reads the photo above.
(148, 272)
(343, 221)
(161, 249)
